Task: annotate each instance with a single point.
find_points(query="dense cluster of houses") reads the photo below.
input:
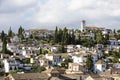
(25, 56)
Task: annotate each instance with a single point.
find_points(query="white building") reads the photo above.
(55, 58)
(12, 47)
(100, 67)
(44, 62)
(75, 68)
(81, 57)
(114, 42)
(70, 48)
(6, 65)
(15, 39)
(83, 24)
(10, 65)
(54, 49)
(116, 65)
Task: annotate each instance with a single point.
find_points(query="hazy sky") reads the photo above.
(61, 13)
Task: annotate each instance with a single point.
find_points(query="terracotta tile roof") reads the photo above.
(100, 62)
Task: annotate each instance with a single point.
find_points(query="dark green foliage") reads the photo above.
(2, 73)
(52, 42)
(38, 68)
(1, 65)
(64, 36)
(10, 33)
(66, 62)
(2, 35)
(61, 49)
(8, 40)
(89, 63)
(115, 55)
(40, 50)
(20, 32)
(4, 45)
(87, 42)
(118, 31)
(31, 36)
(99, 38)
(56, 35)
(114, 31)
(117, 36)
(78, 41)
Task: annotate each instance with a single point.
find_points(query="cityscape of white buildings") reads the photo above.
(26, 56)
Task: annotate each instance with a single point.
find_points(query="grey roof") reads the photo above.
(2, 78)
(27, 76)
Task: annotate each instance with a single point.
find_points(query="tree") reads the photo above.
(20, 32)
(73, 37)
(66, 62)
(2, 35)
(78, 41)
(4, 45)
(40, 50)
(38, 68)
(87, 42)
(114, 31)
(105, 39)
(118, 31)
(60, 34)
(52, 42)
(10, 33)
(8, 40)
(89, 63)
(61, 49)
(117, 36)
(32, 37)
(99, 38)
(56, 35)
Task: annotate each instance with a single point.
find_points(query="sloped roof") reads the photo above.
(27, 76)
(2, 78)
(100, 62)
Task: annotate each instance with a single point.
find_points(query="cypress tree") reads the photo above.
(20, 32)
(4, 46)
(56, 35)
(10, 32)
(2, 35)
(89, 63)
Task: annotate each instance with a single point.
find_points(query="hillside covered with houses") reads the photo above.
(89, 53)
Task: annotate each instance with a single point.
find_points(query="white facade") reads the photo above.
(15, 39)
(44, 61)
(54, 49)
(50, 57)
(11, 47)
(114, 42)
(74, 68)
(99, 68)
(82, 25)
(77, 59)
(31, 60)
(116, 65)
(6, 65)
(55, 58)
